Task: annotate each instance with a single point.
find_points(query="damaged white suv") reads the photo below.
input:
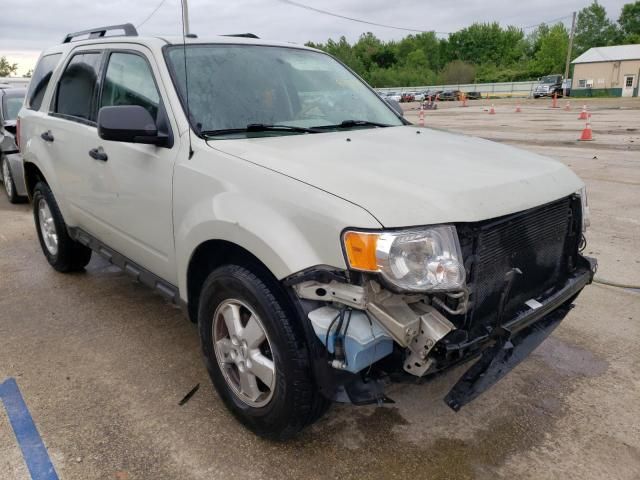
(324, 245)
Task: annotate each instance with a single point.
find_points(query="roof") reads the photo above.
(159, 42)
(610, 54)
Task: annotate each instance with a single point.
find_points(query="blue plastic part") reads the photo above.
(365, 342)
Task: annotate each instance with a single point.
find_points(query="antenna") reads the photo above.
(185, 32)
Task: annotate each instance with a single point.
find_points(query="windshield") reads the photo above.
(11, 106)
(232, 86)
(550, 79)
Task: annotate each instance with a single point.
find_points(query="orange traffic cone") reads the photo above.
(492, 110)
(587, 134)
(584, 115)
(567, 107)
(518, 109)
(554, 103)
(421, 118)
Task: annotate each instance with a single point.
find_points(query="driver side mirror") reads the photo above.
(129, 123)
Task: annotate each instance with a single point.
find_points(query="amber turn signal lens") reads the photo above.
(361, 250)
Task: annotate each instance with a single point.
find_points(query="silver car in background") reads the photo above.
(11, 170)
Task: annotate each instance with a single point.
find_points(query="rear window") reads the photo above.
(40, 80)
(76, 89)
(11, 105)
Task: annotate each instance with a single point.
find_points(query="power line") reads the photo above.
(395, 27)
(151, 14)
(359, 20)
(547, 22)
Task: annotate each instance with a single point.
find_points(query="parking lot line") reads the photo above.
(33, 450)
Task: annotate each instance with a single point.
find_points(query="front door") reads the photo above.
(628, 85)
(132, 184)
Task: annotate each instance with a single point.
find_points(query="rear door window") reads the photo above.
(77, 87)
(129, 81)
(40, 80)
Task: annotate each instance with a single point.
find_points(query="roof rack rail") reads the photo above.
(128, 29)
(244, 35)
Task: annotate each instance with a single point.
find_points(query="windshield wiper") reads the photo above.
(354, 123)
(259, 127)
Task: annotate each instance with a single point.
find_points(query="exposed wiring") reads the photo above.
(151, 14)
(326, 338)
(604, 281)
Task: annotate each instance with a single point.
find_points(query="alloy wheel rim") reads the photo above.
(6, 178)
(47, 227)
(243, 352)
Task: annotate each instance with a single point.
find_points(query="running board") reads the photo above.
(139, 273)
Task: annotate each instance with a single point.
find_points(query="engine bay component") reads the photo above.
(363, 341)
(345, 293)
(433, 327)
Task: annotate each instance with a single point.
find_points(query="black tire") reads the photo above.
(70, 256)
(295, 401)
(9, 184)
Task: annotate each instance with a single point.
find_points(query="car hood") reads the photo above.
(405, 176)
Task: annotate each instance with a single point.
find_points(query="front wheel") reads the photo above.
(255, 355)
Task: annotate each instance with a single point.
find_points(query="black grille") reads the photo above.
(540, 242)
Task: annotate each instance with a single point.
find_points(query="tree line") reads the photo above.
(483, 52)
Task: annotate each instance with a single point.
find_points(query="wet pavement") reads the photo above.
(103, 363)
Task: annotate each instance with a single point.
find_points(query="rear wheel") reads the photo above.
(9, 184)
(62, 252)
(256, 359)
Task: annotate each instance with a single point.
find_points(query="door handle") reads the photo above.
(47, 137)
(98, 154)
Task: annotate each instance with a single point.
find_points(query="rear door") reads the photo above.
(71, 130)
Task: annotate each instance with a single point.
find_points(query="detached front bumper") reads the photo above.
(510, 343)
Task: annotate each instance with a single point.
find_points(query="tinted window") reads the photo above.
(40, 80)
(129, 81)
(77, 86)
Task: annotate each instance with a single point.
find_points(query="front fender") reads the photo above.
(286, 224)
(285, 244)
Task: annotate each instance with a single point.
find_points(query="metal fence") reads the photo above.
(498, 89)
(14, 81)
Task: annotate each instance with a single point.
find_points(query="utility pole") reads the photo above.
(566, 68)
(185, 17)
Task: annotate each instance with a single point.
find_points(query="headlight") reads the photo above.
(417, 260)
(586, 221)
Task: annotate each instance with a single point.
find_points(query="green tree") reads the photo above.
(629, 22)
(29, 73)
(552, 52)
(7, 69)
(457, 72)
(594, 29)
(487, 43)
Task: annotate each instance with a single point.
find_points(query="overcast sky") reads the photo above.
(28, 26)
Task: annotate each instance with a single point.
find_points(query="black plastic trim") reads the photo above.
(573, 286)
(139, 273)
(100, 32)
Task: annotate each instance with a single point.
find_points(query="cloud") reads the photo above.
(28, 26)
